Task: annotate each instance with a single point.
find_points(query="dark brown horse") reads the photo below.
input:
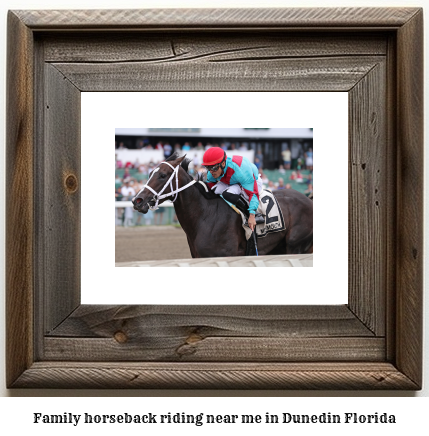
(212, 227)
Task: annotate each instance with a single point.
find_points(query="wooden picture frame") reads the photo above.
(373, 342)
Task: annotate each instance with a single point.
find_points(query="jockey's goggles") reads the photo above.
(212, 168)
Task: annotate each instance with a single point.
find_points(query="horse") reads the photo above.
(212, 227)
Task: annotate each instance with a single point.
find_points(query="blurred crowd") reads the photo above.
(168, 149)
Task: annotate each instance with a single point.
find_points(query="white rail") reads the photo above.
(282, 261)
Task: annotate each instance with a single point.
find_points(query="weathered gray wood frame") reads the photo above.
(374, 342)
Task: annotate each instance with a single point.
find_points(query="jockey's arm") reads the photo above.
(253, 199)
(253, 204)
(246, 177)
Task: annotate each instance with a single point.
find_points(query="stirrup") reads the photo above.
(260, 219)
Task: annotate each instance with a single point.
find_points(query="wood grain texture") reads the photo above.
(409, 273)
(61, 205)
(391, 192)
(368, 202)
(136, 321)
(19, 198)
(213, 333)
(110, 375)
(193, 347)
(331, 74)
(289, 18)
(179, 47)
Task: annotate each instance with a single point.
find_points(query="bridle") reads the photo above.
(159, 195)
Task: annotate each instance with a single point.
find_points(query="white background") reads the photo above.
(17, 412)
(325, 283)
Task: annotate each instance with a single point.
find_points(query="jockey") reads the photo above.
(233, 177)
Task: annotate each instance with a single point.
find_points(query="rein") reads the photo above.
(158, 195)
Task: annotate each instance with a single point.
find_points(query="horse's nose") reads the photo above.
(140, 205)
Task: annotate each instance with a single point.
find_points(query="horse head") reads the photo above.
(162, 184)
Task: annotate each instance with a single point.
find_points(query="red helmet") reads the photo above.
(213, 156)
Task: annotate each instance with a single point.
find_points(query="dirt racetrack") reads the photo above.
(150, 243)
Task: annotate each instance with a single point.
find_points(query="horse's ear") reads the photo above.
(179, 160)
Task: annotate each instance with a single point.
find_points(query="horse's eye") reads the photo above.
(162, 176)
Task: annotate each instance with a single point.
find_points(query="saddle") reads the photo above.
(269, 218)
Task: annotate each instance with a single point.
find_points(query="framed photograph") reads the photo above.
(373, 341)
(143, 242)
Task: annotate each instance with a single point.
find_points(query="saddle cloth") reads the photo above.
(270, 209)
